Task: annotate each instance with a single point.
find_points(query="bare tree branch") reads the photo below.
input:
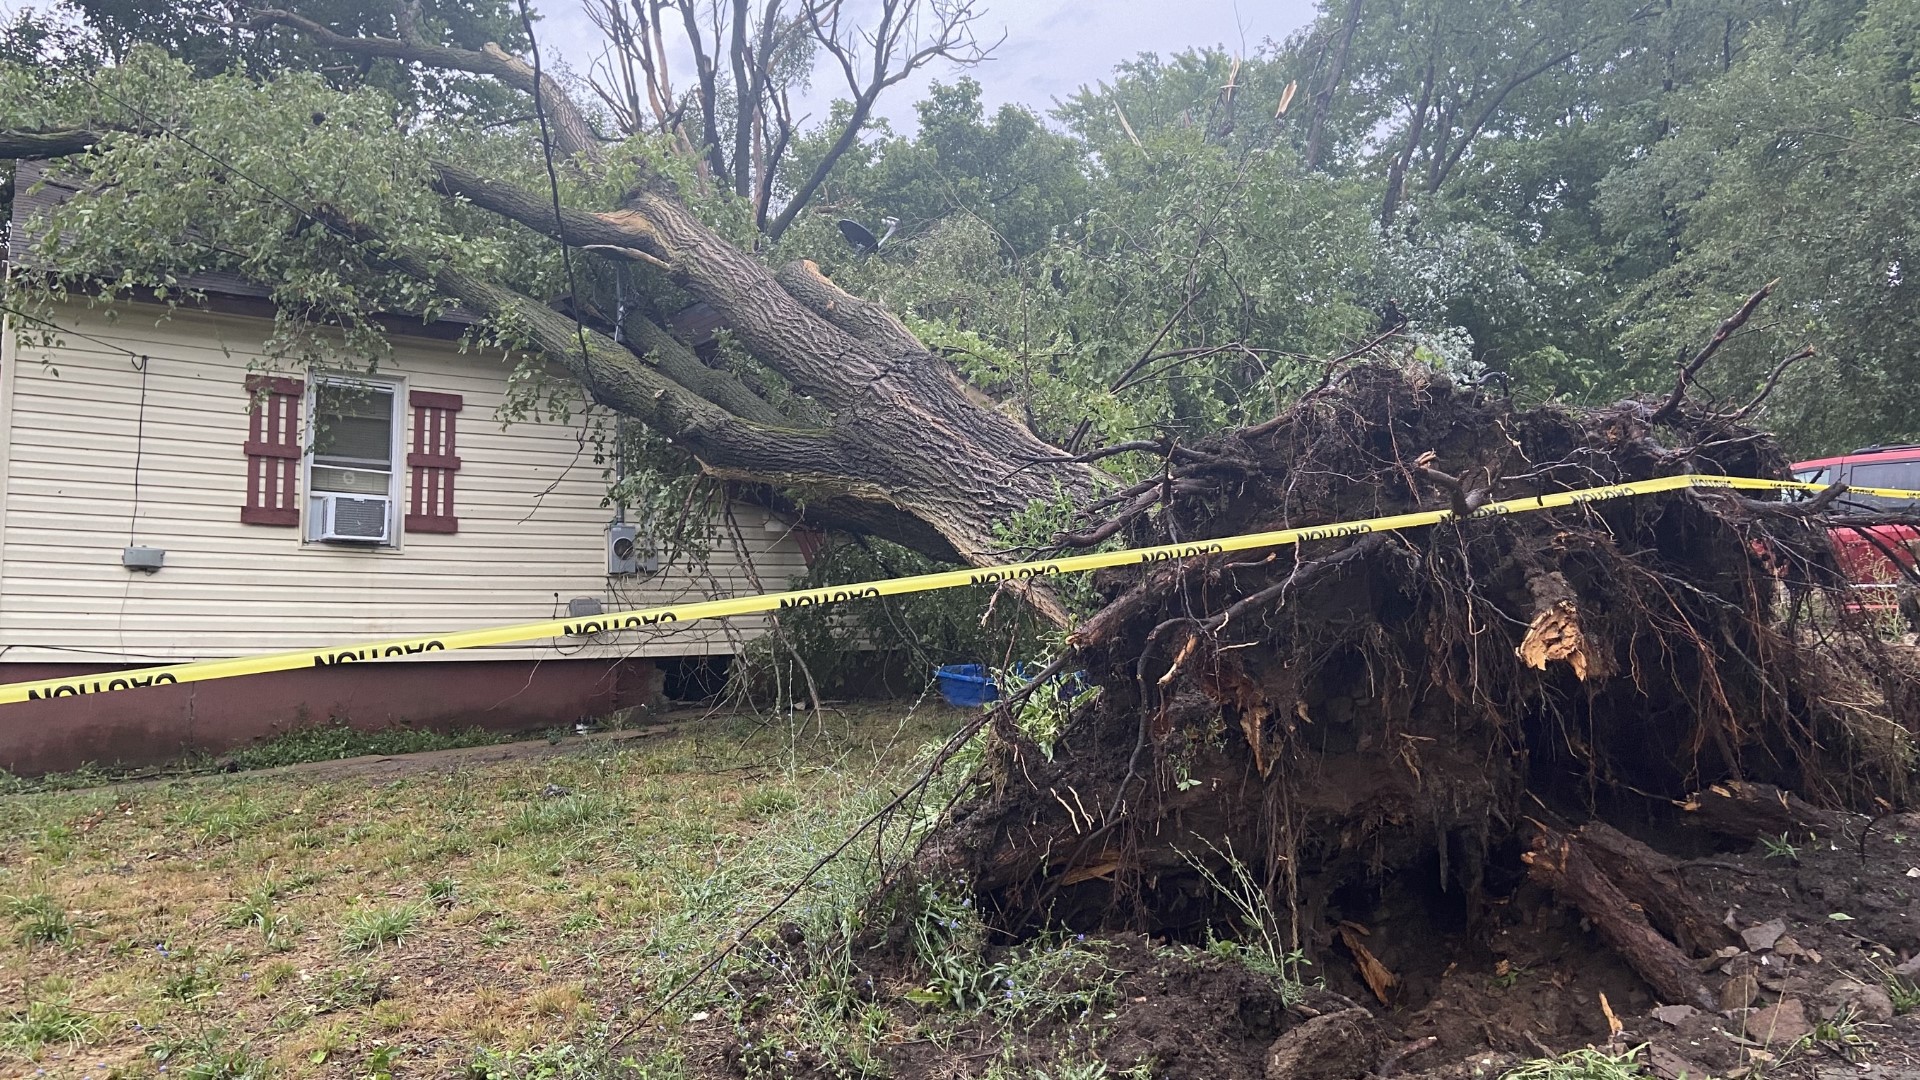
(1692, 367)
(40, 145)
(573, 135)
(894, 50)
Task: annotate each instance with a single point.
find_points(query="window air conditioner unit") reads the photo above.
(354, 519)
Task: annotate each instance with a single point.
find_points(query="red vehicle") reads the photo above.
(1872, 554)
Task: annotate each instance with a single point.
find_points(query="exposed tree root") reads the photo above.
(1363, 707)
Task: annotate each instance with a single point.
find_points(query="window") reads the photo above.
(351, 479)
(1882, 474)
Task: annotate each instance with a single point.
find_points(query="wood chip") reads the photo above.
(1374, 973)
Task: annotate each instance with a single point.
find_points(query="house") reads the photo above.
(163, 498)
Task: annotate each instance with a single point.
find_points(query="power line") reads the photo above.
(51, 325)
(553, 184)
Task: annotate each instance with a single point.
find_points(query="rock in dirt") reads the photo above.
(1779, 1025)
(1764, 935)
(1866, 1003)
(1675, 1014)
(1790, 948)
(1668, 1065)
(1337, 1046)
(1909, 970)
(1740, 992)
(1718, 959)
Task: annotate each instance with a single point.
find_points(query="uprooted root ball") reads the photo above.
(1291, 743)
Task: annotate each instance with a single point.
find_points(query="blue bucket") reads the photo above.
(966, 685)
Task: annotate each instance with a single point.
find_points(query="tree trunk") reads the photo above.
(1323, 101)
(902, 433)
(1397, 172)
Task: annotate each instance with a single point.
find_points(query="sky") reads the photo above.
(1052, 47)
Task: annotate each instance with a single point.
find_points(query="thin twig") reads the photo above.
(1692, 367)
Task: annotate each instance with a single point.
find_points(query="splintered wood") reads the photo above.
(1555, 634)
(1374, 973)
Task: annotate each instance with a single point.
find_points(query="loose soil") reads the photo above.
(1825, 928)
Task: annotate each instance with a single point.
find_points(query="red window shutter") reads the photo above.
(432, 462)
(273, 451)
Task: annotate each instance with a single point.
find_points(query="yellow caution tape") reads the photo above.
(643, 618)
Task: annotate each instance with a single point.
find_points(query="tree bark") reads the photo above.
(916, 439)
(1747, 811)
(1653, 881)
(1416, 130)
(1561, 864)
(40, 145)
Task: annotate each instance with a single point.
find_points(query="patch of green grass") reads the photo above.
(443, 892)
(564, 814)
(1586, 1064)
(1780, 848)
(350, 988)
(38, 919)
(1904, 993)
(56, 843)
(207, 1056)
(325, 742)
(654, 856)
(768, 802)
(330, 742)
(45, 1022)
(190, 984)
(368, 929)
(220, 819)
(561, 1062)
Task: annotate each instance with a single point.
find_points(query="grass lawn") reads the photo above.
(492, 919)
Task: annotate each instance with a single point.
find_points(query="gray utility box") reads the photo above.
(147, 560)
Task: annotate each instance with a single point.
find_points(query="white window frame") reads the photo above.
(397, 459)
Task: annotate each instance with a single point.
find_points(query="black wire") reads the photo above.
(17, 313)
(139, 450)
(553, 184)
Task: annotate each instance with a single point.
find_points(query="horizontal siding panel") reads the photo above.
(570, 579)
(528, 499)
(533, 597)
(113, 652)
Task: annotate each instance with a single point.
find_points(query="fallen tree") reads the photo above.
(1366, 719)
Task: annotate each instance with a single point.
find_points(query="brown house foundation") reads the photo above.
(152, 725)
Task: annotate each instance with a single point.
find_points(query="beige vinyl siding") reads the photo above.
(532, 530)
